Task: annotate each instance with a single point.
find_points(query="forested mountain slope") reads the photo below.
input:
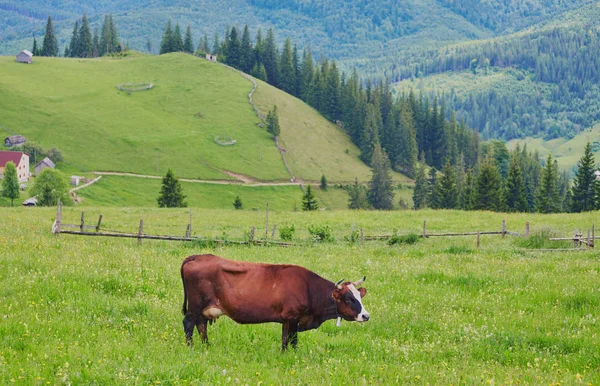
(543, 81)
(368, 34)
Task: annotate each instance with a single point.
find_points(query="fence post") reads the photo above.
(267, 224)
(588, 239)
(140, 232)
(188, 231)
(362, 237)
(503, 228)
(478, 238)
(424, 229)
(527, 229)
(252, 230)
(593, 236)
(190, 226)
(274, 229)
(99, 221)
(58, 221)
(82, 222)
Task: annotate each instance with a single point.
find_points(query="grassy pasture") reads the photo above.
(107, 311)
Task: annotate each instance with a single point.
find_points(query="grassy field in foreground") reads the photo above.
(106, 311)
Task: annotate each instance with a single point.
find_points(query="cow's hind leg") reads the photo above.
(188, 327)
(289, 332)
(202, 326)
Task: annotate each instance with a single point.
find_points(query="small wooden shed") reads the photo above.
(44, 164)
(14, 140)
(24, 57)
(212, 58)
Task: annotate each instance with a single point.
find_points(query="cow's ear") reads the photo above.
(336, 295)
(363, 292)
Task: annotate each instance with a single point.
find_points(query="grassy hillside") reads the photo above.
(107, 311)
(75, 106)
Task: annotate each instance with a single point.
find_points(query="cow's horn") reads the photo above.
(338, 283)
(357, 283)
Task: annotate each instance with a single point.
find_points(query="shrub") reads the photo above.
(403, 239)
(320, 233)
(286, 232)
(353, 237)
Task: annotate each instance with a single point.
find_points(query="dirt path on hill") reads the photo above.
(241, 179)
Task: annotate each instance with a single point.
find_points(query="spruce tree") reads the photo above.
(357, 196)
(50, 44)
(166, 44)
(287, 76)
(74, 43)
(171, 193)
(309, 202)
(468, 199)
(105, 45)
(177, 40)
(547, 199)
(96, 44)
(273, 122)
(114, 35)
(433, 197)
(246, 52)
(270, 59)
(448, 188)
(421, 190)
(516, 198)
(35, 49)
(10, 182)
(381, 189)
(237, 204)
(323, 182)
(370, 135)
(85, 42)
(582, 194)
(188, 45)
(233, 53)
(488, 187)
(308, 72)
(259, 72)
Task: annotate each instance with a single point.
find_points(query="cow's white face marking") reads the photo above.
(363, 315)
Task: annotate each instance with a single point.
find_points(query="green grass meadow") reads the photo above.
(77, 310)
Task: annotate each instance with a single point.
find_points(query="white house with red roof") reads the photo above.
(20, 159)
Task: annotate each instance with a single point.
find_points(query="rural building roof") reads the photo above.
(46, 161)
(26, 52)
(16, 139)
(6, 156)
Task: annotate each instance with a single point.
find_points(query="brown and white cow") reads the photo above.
(250, 293)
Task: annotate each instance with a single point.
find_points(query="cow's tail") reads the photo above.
(187, 260)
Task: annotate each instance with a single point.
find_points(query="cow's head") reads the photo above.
(348, 298)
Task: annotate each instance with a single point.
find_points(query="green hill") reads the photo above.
(74, 105)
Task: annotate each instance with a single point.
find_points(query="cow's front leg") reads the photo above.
(289, 331)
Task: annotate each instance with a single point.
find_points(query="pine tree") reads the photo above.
(188, 45)
(468, 199)
(177, 40)
(85, 42)
(547, 199)
(421, 188)
(237, 204)
(247, 53)
(166, 44)
(370, 134)
(357, 196)
(10, 182)
(35, 49)
(308, 72)
(582, 195)
(433, 197)
(309, 202)
(516, 199)
(50, 44)
(273, 122)
(381, 189)
(96, 44)
(287, 77)
(323, 182)
(74, 45)
(488, 187)
(448, 188)
(171, 193)
(270, 59)
(114, 35)
(105, 45)
(259, 72)
(233, 53)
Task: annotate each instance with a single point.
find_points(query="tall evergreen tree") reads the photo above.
(171, 193)
(287, 76)
(95, 44)
(488, 187)
(308, 72)
(188, 45)
(270, 59)
(421, 190)
(582, 196)
(516, 199)
(468, 198)
(216, 48)
(370, 134)
(50, 44)
(35, 50)
(74, 45)
(309, 202)
(234, 49)
(259, 72)
(247, 53)
(85, 42)
(177, 40)
(166, 44)
(547, 199)
(433, 194)
(448, 188)
(381, 189)
(10, 182)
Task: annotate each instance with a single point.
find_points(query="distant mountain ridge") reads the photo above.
(366, 34)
